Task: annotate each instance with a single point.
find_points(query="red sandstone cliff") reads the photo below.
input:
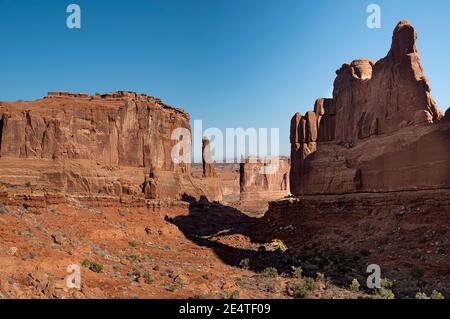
(381, 131)
(115, 144)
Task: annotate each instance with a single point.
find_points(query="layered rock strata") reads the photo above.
(264, 179)
(381, 131)
(115, 144)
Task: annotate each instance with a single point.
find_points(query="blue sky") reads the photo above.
(230, 63)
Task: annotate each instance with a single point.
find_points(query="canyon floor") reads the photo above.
(133, 251)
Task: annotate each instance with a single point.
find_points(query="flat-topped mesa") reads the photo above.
(127, 132)
(114, 96)
(104, 144)
(371, 100)
(67, 95)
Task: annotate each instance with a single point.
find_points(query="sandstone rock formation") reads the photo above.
(381, 131)
(209, 183)
(102, 144)
(264, 179)
(207, 161)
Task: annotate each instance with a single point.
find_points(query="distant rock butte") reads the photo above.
(381, 131)
(264, 179)
(116, 144)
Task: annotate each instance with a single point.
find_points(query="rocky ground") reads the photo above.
(134, 251)
(405, 233)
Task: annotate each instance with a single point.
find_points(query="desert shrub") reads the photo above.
(174, 286)
(278, 245)
(3, 209)
(354, 286)
(387, 283)
(270, 272)
(297, 272)
(132, 258)
(385, 292)
(205, 276)
(133, 244)
(320, 277)
(437, 295)
(305, 289)
(148, 278)
(134, 274)
(421, 295)
(92, 265)
(234, 294)
(267, 286)
(245, 263)
(96, 267)
(26, 234)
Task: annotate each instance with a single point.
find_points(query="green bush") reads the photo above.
(354, 286)
(132, 258)
(305, 289)
(385, 292)
(245, 263)
(148, 277)
(234, 294)
(297, 272)
(134, 274)
(421, 295)
(437, 295)
(133, 244)
(320, 277)
(92, 265)
(270, 272)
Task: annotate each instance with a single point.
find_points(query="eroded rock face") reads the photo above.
(102, 144)
(381, 131)
(264, 179)
(120, 129)
(208, 167)
(447, 116)
(210, 184)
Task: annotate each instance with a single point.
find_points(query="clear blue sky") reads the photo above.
(247, 63)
